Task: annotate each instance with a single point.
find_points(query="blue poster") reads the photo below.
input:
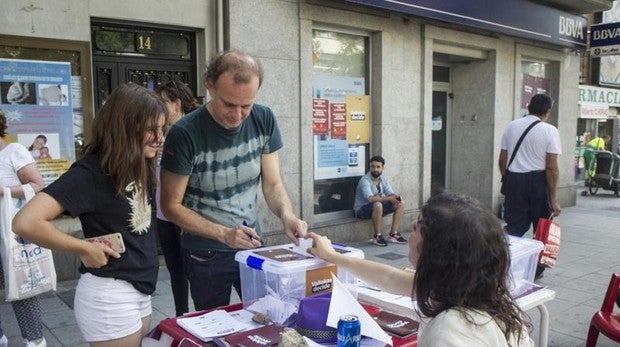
(332, 153)
(35, 97)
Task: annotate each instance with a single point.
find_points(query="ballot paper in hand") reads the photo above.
(213, 324)
(304, 244)
(342, 302)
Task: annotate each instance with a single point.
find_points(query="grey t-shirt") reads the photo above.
(224, 166)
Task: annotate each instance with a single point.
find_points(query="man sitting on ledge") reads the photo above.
(375, 198)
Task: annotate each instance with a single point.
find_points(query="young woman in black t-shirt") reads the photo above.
(110, 191)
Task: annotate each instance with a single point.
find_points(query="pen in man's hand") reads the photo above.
(245, 224)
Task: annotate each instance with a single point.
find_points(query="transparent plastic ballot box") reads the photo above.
(274, 279)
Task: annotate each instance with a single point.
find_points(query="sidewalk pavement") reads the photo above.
(589, 254)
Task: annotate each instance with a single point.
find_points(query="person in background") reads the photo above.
(214, 161)
(37, 144)
(375, 198)
(461, 259)
(179, 101)
(587, 159)
(110, 190)
(598, 143)
(17, 167)
(531, 188)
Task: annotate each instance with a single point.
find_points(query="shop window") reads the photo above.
(341, 118)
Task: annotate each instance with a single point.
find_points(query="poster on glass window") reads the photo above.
(341, 126)
(533, 85)
(35, 97)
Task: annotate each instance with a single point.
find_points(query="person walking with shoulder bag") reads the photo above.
(530, 189)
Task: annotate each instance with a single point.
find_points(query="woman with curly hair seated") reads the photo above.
(461, 258)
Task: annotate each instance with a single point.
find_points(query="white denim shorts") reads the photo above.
(108, 308)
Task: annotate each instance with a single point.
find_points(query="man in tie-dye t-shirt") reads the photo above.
(213, 161)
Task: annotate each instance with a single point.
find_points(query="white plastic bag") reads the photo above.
(28, 268)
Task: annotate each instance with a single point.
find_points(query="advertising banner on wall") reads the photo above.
(607, 97)
(35, 97)
(358, 119)
(338, 120)
(605, 39)
(593, 111)
(597, 102)
(535, 20)
(340, 150)
(320, 111)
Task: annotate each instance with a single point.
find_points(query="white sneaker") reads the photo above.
(4, 342)
(36, 343)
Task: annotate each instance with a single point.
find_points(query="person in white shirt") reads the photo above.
(18, 168)
(530, 181)
(461, 259)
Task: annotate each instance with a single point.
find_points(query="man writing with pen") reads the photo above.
(212, 163)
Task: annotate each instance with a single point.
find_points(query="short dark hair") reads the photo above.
(242, 65)
(177, 90)
(540, 104)
(379, 159)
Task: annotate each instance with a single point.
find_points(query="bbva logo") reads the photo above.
(571, 27)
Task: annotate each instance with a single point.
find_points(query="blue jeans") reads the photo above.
(169, 239)
(211, 275)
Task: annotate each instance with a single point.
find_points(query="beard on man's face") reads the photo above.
(375, 174)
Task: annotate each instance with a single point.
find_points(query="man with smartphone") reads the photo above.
(375, 198)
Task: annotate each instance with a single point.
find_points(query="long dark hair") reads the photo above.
(118, 132)
(463, 263)
(177, 90)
